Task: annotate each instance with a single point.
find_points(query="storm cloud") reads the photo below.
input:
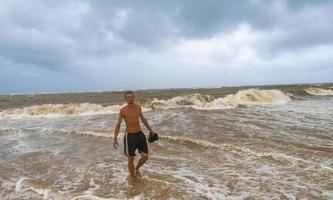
(55, 46)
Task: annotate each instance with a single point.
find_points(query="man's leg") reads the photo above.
(131, 166)
(143, 159)
(143, 149)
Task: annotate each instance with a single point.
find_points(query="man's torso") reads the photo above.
(131, 115)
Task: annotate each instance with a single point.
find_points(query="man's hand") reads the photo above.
(115, 143)
(152, 132)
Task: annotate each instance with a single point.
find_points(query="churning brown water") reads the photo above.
(263, 143)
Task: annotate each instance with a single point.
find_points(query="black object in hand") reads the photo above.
(152, 137)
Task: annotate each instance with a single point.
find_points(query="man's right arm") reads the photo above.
(117, 128)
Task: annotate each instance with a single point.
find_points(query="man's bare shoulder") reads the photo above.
(138, 105)
(123, 109)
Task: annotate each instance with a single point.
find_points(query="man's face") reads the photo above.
(130, 98)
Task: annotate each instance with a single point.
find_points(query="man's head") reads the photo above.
(129, 97)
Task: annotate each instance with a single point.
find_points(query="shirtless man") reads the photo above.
(134, 138)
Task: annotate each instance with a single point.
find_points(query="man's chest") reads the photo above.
(131, 113)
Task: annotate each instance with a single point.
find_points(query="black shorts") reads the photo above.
(133, 141)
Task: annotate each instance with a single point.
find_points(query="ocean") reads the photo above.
(253, 142)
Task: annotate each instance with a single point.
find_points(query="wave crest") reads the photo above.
(179, 101)
(320, 91)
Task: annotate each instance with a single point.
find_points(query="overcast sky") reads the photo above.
(88, 45)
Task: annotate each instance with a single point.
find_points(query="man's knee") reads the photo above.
(130, 159)
(144, 156)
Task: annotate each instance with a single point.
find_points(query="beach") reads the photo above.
(251, 142)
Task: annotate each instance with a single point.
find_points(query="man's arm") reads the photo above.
(117, 128)
(144, 121)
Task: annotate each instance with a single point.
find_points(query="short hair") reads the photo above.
(128, 92)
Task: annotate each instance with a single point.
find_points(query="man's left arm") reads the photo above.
(144, 121)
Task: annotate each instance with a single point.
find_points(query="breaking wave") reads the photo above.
(319, 91)
(242, 97)
(56, 110)
(195, 101)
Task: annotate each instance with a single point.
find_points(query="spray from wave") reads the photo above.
(195, 101)
(319, 91)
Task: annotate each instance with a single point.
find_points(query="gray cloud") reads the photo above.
(99, 44)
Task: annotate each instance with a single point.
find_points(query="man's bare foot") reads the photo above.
(132, 180)
(138, 173)
(134, 176)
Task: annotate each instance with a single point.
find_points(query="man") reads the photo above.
(134, 138)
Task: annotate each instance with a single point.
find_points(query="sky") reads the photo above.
(103, 45)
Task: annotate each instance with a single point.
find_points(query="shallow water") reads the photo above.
(254, 150)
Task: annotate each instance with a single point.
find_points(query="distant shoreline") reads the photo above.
(166, 89)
